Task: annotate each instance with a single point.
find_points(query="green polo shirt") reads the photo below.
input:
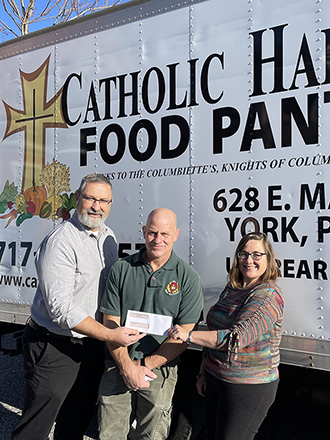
(173, 290)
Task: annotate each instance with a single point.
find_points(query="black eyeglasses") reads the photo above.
(256, 256)
(91, 200)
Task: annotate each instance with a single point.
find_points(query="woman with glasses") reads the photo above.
(239, 371)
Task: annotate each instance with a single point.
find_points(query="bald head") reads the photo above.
(162, 214)
(160, 233)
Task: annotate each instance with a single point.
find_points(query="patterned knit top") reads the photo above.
(249, 333)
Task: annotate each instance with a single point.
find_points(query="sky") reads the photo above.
(34, 27)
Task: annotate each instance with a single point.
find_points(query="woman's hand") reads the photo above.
(178, 332)
(201, 385)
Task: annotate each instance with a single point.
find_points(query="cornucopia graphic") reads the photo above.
(50, 200)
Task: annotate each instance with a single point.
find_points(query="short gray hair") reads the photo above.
(94, 178)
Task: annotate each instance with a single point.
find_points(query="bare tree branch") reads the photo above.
(10, 15)
(20, 16)
(8, 29)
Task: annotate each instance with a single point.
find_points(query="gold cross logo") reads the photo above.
(44, 186)
(37, 115)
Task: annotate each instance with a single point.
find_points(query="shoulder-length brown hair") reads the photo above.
(235, 277)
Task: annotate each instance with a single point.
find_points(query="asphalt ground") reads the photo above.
(12, 392)
(301, 410)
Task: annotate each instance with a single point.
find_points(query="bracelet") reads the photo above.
(200, 375)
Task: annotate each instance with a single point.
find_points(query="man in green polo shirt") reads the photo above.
(154, 280)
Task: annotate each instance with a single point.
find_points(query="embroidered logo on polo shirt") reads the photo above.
(172, 288)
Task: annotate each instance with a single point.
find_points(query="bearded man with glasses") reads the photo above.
(63, 342)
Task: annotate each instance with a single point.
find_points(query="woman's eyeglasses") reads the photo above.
(256, 256)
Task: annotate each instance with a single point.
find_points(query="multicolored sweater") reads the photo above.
(249, 333)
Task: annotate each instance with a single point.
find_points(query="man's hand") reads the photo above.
(135, 376)
(124, 336)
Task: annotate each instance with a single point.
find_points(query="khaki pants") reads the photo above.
(142, 414)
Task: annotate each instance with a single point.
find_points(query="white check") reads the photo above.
(148, 322)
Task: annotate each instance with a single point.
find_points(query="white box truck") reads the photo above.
(217, 110)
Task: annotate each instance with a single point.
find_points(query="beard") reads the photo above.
(91, 222)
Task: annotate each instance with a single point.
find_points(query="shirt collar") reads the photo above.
(170, 264)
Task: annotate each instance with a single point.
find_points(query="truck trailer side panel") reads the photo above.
(217, 110)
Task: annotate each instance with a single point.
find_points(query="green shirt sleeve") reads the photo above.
(110, 303)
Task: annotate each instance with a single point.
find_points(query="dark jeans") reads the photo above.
(236, 411)
(62, 380)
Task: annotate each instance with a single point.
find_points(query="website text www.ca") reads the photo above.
(18, 281)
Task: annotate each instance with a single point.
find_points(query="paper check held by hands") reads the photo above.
(151, 323)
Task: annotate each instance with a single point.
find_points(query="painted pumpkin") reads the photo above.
(37, 195)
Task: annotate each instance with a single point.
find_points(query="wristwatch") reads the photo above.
(188, 340)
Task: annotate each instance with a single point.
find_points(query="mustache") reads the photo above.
(94, 211)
